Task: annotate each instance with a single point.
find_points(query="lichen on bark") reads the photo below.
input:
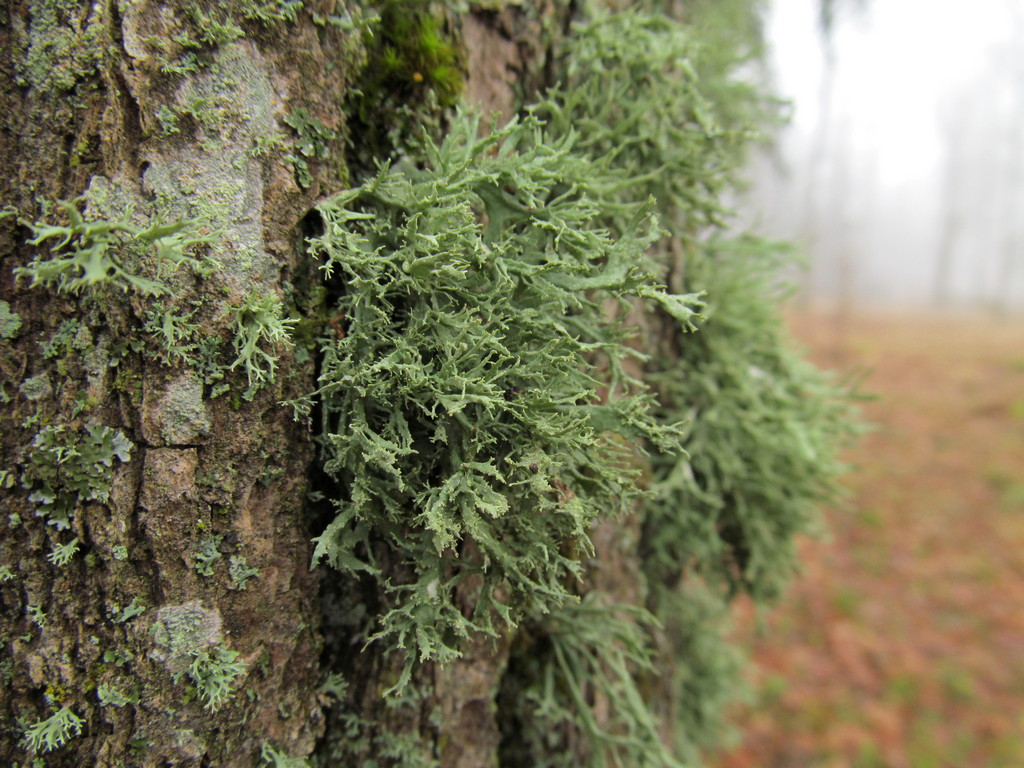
(83, 118)
(175, 614)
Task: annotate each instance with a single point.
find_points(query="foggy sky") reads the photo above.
(902, 172)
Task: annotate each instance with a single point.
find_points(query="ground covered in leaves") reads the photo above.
(902, 643)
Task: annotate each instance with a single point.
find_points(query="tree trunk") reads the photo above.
(202, 530)
(186, 543)
(166, 470)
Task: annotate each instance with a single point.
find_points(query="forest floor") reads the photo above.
(901, 645)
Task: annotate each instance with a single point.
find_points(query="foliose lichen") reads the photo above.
(68, 467)
(10, 323)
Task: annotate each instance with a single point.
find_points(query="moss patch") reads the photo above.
(414, 72)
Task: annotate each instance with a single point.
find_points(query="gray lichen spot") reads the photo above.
(182, 630)
(181, 412)
(36, 388)
(97, 359)
(217, 180)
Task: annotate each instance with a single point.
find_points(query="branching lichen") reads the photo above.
(176, 335)
(272, 11)
(475, 392)
(579, 654)
(241, 572)
(213, 672)
(86, 254)
(208, 554)
(762, 442)
(129, 612)
(763, 427)
(62, 553)
(279, 759)
(53, 732)
(259, 329)
(631, 96)
(109, 696)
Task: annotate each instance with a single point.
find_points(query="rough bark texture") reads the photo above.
(85, 87)
(177, 112)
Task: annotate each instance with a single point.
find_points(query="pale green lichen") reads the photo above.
(134, 608)
(313, 142)
(67, 468)
(176, 334)
(335, 686)
(209, 553)
(109, 696)
(259, 330)
(201, 31)
(575, 654)
(36, 387)
(459, 397)
(240, 571)
(187, 632)
(100, 357)
(271, 11)
(70, 338)
(764, 427)
(53, 732)
(10, 323)
(211, 29)
(280, 759)
(64, 49)
(442, 430)
(168, 120)
(86, 254)
(213, 672)
(118, 656)
(62, 553)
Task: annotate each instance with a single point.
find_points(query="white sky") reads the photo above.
(896, 64)
(908, 75)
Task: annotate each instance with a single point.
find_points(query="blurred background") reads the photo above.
(902, 169)
(901, 177)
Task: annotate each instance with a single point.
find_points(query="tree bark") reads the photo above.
(157, 113)
(162, 328)
(83, 96)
